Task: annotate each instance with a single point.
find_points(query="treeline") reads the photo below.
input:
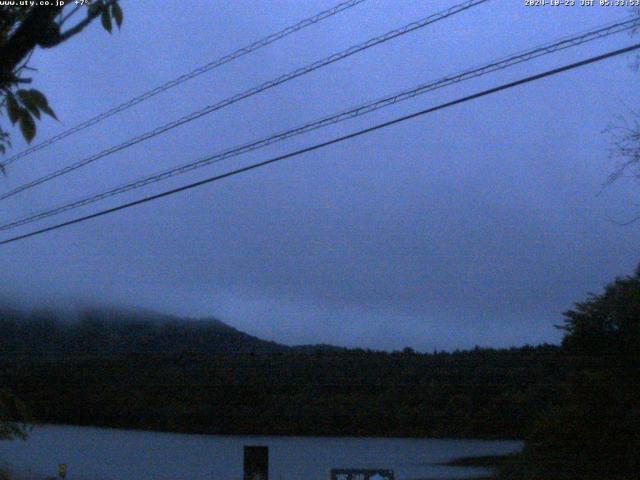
(577, 405)
(278, 390)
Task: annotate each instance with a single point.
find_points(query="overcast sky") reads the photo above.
(479, 224)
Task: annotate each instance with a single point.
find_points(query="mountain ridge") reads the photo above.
(123, 330)
(108, 331)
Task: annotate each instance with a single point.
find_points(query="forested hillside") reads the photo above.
(113, 331)
(192, 377)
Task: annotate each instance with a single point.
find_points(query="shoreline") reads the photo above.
(280, 435)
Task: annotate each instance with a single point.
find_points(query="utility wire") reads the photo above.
(369, 107)
(318, 146)
(253, 91)
(274, 37)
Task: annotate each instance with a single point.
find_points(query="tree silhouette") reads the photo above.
(26, 27)
(594, 432)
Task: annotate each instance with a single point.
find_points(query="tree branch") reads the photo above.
(70, 14)
(26, 37)
(80, 26)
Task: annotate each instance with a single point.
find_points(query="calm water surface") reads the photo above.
(104, 454)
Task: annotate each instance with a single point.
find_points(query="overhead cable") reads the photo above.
(500, 64)
(318, 146)
(263, 42)
(248, 93)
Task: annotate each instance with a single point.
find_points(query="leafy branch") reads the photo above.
(22, 29)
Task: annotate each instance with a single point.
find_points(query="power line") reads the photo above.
(253, 91)
(307, 22)
(318, 146)
(500, 64)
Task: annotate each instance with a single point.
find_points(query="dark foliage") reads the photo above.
(131, 371)
(594, 433)
(14, 417)
(26, 26)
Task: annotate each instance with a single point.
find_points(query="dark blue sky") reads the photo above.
(475, 225)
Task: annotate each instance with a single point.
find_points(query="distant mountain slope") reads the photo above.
(139, 369)
(122, 331)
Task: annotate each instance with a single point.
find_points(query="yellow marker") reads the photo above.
(62, 470)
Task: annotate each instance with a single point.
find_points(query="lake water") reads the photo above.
(104, 454)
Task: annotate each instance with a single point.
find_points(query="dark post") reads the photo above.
(256, 463)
